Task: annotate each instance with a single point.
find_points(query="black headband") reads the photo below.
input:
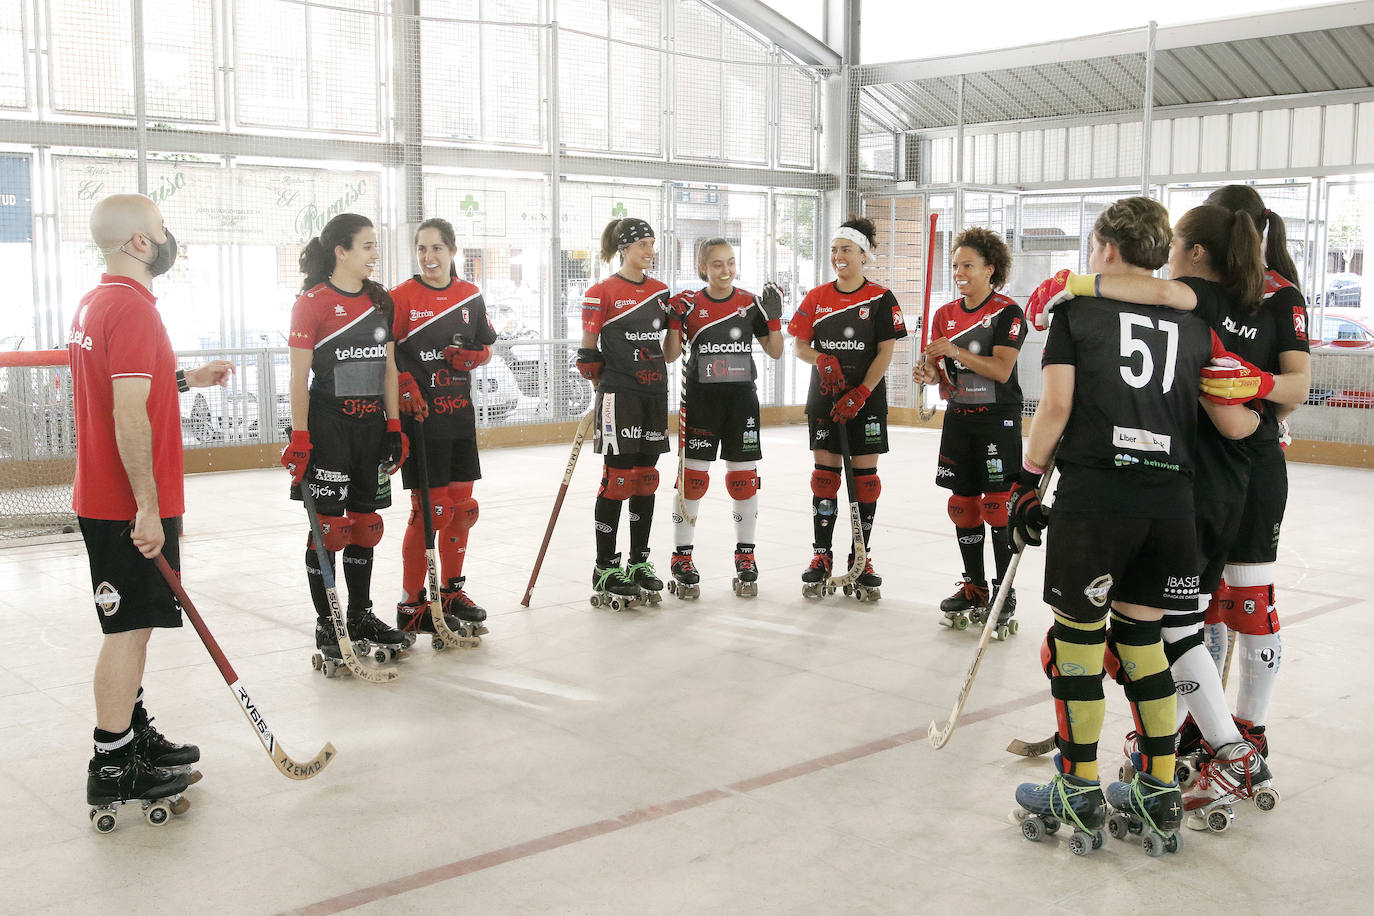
(631, 230)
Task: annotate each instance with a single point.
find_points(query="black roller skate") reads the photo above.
(415, 617)
(814, 576)
(967, 603)
(614, 589)
(686, 581)
(1007, 625)
(113, 781)
(867, 587)
(746, 581)
(1064, 799)
(328, 658)
(643, 575)
(154, 747)
(1147, 808)
(370, 636)
(456, 603)
(1238, 772)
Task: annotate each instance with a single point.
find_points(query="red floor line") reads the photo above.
(486, 860)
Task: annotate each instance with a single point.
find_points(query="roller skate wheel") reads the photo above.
(1081, 843)
(1173, 843)
(595, 600)
(1018, 815)
(849, 590)
(409, 639)
(1051, 824)
(1014, 626)
(1117, 826)
(104, 820)
(180, 806)
(158, 814)
(1267, 799)
(875, 594)
(1099, 839)
(1002, 634)
(382, 655)
(961, 622)
(1153, 844)
(192, 778)
(1184, 774)
(811, 591)
(1220, 819)
(438, 644)
(672, 587)
(1033, 828)
(317, 661)
(614, 604)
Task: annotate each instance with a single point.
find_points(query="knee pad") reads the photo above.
(965, 511)
(867, 487)
(464, 515)
(742, 485)
(825, 483)
(644, 481)
(1251, 610)
(995, 508)
(441, 509)
(694, 483)
(335, 529)
(366, 529)
(616, 483)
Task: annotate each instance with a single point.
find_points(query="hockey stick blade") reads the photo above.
(288, 766)
(1022, 748)
(584, 426)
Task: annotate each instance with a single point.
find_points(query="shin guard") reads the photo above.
(1072, 658)
(1149, 689)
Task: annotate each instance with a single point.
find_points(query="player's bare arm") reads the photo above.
(134, 438)
(1051, 415)
(301, 360)
(215, 372)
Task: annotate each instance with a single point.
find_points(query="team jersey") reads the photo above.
(348, 336)
(629, 319)
(848, 326)
(426, 321)
(997, 322)
(117, 334)
(1128, 445)
(720, 339)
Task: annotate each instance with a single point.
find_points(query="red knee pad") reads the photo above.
(645, 481)
(742, 484)
(995, 508)
(694, 483)
(1216, 607)
(441, 508)
(965, 511)
(825, 483)
(1252, 610)
(366, 529)
(616, 483)
(336, 529)
(464, 515)
(867, 488)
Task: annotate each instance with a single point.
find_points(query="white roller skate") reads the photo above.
(1238, 772)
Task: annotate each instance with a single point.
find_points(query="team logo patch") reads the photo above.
(1299, 323)
(338, 310)
(107, 599)
(466, 317)
(1249, 606)
(1015, 330)
(897, 320)
(1098, 590)
(863, 313)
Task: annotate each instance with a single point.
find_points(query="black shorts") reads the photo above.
(867, 431)
(1257, 535)
(446, 460)
(1091, 561)
(726, 416)
(345, 473)
(1217, 524)
(130, 594)
(629, 423)
(979, 453)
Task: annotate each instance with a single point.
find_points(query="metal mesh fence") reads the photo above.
(37, 446)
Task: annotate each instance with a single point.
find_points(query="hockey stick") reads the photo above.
(1022, 748)
(584, 426)
(350, 659)
(939, 734)
(856, 528)
(1230, 652)
(289, 767)
(681, 500)
(923, 412)
(443, 633)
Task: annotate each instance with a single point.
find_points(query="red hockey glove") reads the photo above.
(297, 455)
(680, 306)
(590, 362)
(465, 356)
(832, 376)
(395, 447)
(1062, 287)
(1232, 380)
(849, 405)
(1025, 516)
(412, 402)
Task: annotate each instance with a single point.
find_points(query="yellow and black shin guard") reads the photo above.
(1150, 689)
(1072, 658)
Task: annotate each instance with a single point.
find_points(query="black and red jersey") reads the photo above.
(848, 326)
(996, 322)
(720, 339)
(426, 321)
(347, 335)
(629, 319)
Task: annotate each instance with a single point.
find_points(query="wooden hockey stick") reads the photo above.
(584, 426)
(856, 527)
(1023, 748)
(1230, 652)
(680, 501)
(443, 634)
(285, 763)
(925, 413)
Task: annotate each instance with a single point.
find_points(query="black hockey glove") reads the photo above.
(770, 302)
(1026, 517)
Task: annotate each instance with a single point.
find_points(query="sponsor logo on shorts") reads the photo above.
(655, 435)
(1123, 460)
(992, 449)
(750, 423)
(1142, 440)
(319, 491)
(107, 599)
(1098, 590)
(822, 433)
(698, 443)
(1008, 423)
(324, 475)
(1181, 587)
(995, 467)
(750, 439)
(943, 472)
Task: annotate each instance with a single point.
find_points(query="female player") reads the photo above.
(847, 330)
(442, 334)
(346, 436)
(722, 404)
(974, 342)
(623, 353)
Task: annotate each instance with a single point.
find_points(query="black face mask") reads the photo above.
(166, 255)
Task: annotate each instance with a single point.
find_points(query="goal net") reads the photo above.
(37, 444)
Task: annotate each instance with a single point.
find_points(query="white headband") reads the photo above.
(853, 235)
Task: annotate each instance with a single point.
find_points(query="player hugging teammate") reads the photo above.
(721, 404)
(847, 330)
(442, 335)
(622, 352)
(974, 342)
(346, 436)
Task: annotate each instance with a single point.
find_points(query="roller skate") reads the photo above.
(1254, 734)
(746, 581)
(328, 659)
(114, 781)
(967, 603)
(613, 588)
(456, 603)
(1192, 753)
(1237, 772)
(645, 577)
(415, 617)
(1185, 767)
(1147, 808)
(814, 576)
(686, 581)
(1007, 625)
(153, 746)
(370, 636)
(1064, 799)
(867, 586)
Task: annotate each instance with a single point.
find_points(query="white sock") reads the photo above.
(1199, 684)
(1215, 638)
(1259, 655)
(745, 511)
(684, 534)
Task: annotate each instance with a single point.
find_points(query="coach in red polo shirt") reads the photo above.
(128, 493)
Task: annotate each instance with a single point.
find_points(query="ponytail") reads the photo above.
(1233, 250)
(609, 247)
(1241, 198)
(381, 299)
(316, 263)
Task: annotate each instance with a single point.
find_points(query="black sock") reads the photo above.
(971, 549)
(866, 510)
(139, 721)
(607, 516)
(357, 567)
(1001, 550)
(641, 522)
(105, 743)
(318, 597)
